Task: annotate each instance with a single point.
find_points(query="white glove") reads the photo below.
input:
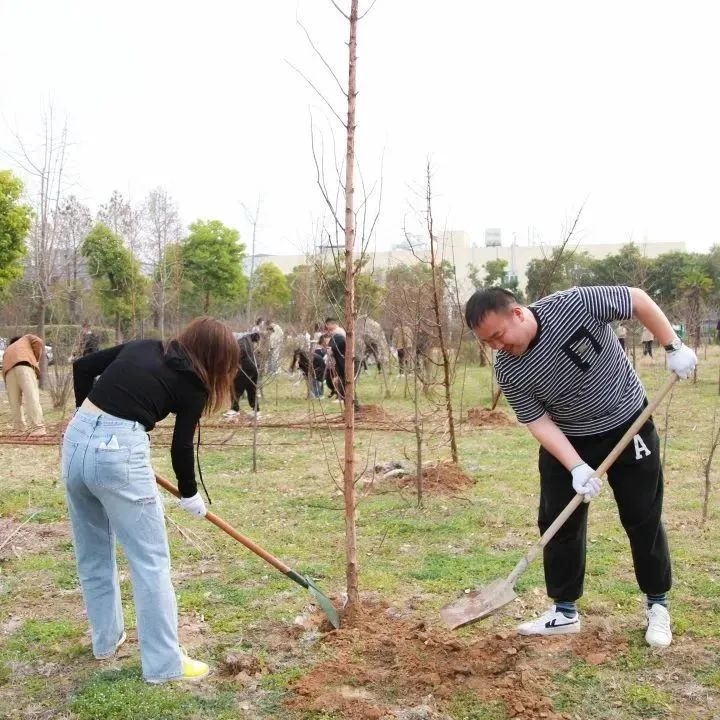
(195, 505)
(585, 482)
(682, 362)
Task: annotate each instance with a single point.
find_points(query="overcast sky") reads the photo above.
(527, 110)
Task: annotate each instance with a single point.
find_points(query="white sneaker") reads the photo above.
(110, 655)
(551, 622)
(658, 627)
(231, 414)
(254, 416)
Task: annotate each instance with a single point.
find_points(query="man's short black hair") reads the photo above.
(487, 300)
(14, 339)
(330, 320)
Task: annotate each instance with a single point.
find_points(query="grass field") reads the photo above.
(272, 656)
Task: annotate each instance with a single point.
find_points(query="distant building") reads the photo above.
(455, 247)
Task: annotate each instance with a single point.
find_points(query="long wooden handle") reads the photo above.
(601, 470)
(233, 533)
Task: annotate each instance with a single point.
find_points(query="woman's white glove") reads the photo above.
(586, 482)
(682, 361)
(195, 505)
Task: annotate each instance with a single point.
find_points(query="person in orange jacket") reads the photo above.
(21, 372)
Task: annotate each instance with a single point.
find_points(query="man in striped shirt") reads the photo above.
(565, 375)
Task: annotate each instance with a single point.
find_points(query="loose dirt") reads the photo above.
(442, 478)
(482, 417)
(378, 657)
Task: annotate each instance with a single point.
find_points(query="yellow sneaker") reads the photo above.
(192, 671)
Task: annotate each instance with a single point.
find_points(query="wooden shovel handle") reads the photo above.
(230, 530)
(601, 470)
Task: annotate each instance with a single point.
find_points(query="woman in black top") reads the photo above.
(110, 484)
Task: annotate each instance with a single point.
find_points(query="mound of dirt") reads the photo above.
(378, 660)
(442, 478)
(482, 417)
(372, 413)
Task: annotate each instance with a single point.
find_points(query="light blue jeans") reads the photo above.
(111, 493)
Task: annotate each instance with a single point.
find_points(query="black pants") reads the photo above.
(245, 382)
(647, 347)
(637, 482)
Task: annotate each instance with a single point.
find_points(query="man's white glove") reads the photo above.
(195, 505)
(682, 362)
(585, 482)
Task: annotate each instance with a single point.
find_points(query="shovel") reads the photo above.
(302, 580)
(484, 601)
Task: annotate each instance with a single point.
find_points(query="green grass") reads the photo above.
(467, 706)
(40, 638)
(648, 700)
(415, 559)
(124, 696)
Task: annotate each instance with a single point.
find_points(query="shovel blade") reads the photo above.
(478, 604)
(324, 602)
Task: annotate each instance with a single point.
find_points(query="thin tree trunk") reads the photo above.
(350, 313)
(417, 426)
(714, 440)
(437, 301)
(41, 334)
(161, 311)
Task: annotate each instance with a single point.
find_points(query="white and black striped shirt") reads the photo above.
(574, 370)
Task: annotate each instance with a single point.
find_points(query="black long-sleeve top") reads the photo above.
(140, 381)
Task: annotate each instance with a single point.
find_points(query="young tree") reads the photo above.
(165, 229)
(116, 272)
(345, 225)
(695, 288)
(46, 166)
(305, 288)
(212, 258)
(15, 222)
(440, 315)
(74, 222)
(253, 218)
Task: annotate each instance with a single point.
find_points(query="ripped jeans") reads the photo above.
(111, 493)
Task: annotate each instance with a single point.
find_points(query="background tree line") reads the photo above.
(686, 285)
(137, 269)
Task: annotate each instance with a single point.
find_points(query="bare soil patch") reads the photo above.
(442, 478)
(482, 417)
(373, 413)
(31, 537)
(378, 657)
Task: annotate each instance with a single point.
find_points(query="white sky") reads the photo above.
(527, 109)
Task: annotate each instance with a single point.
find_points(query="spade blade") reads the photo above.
(478, 604)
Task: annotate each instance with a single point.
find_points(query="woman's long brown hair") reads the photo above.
(215, 356)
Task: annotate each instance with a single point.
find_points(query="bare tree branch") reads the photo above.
(337, 7)
(360, 17)
(322, 58)
(319, 177)
(319, 94)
